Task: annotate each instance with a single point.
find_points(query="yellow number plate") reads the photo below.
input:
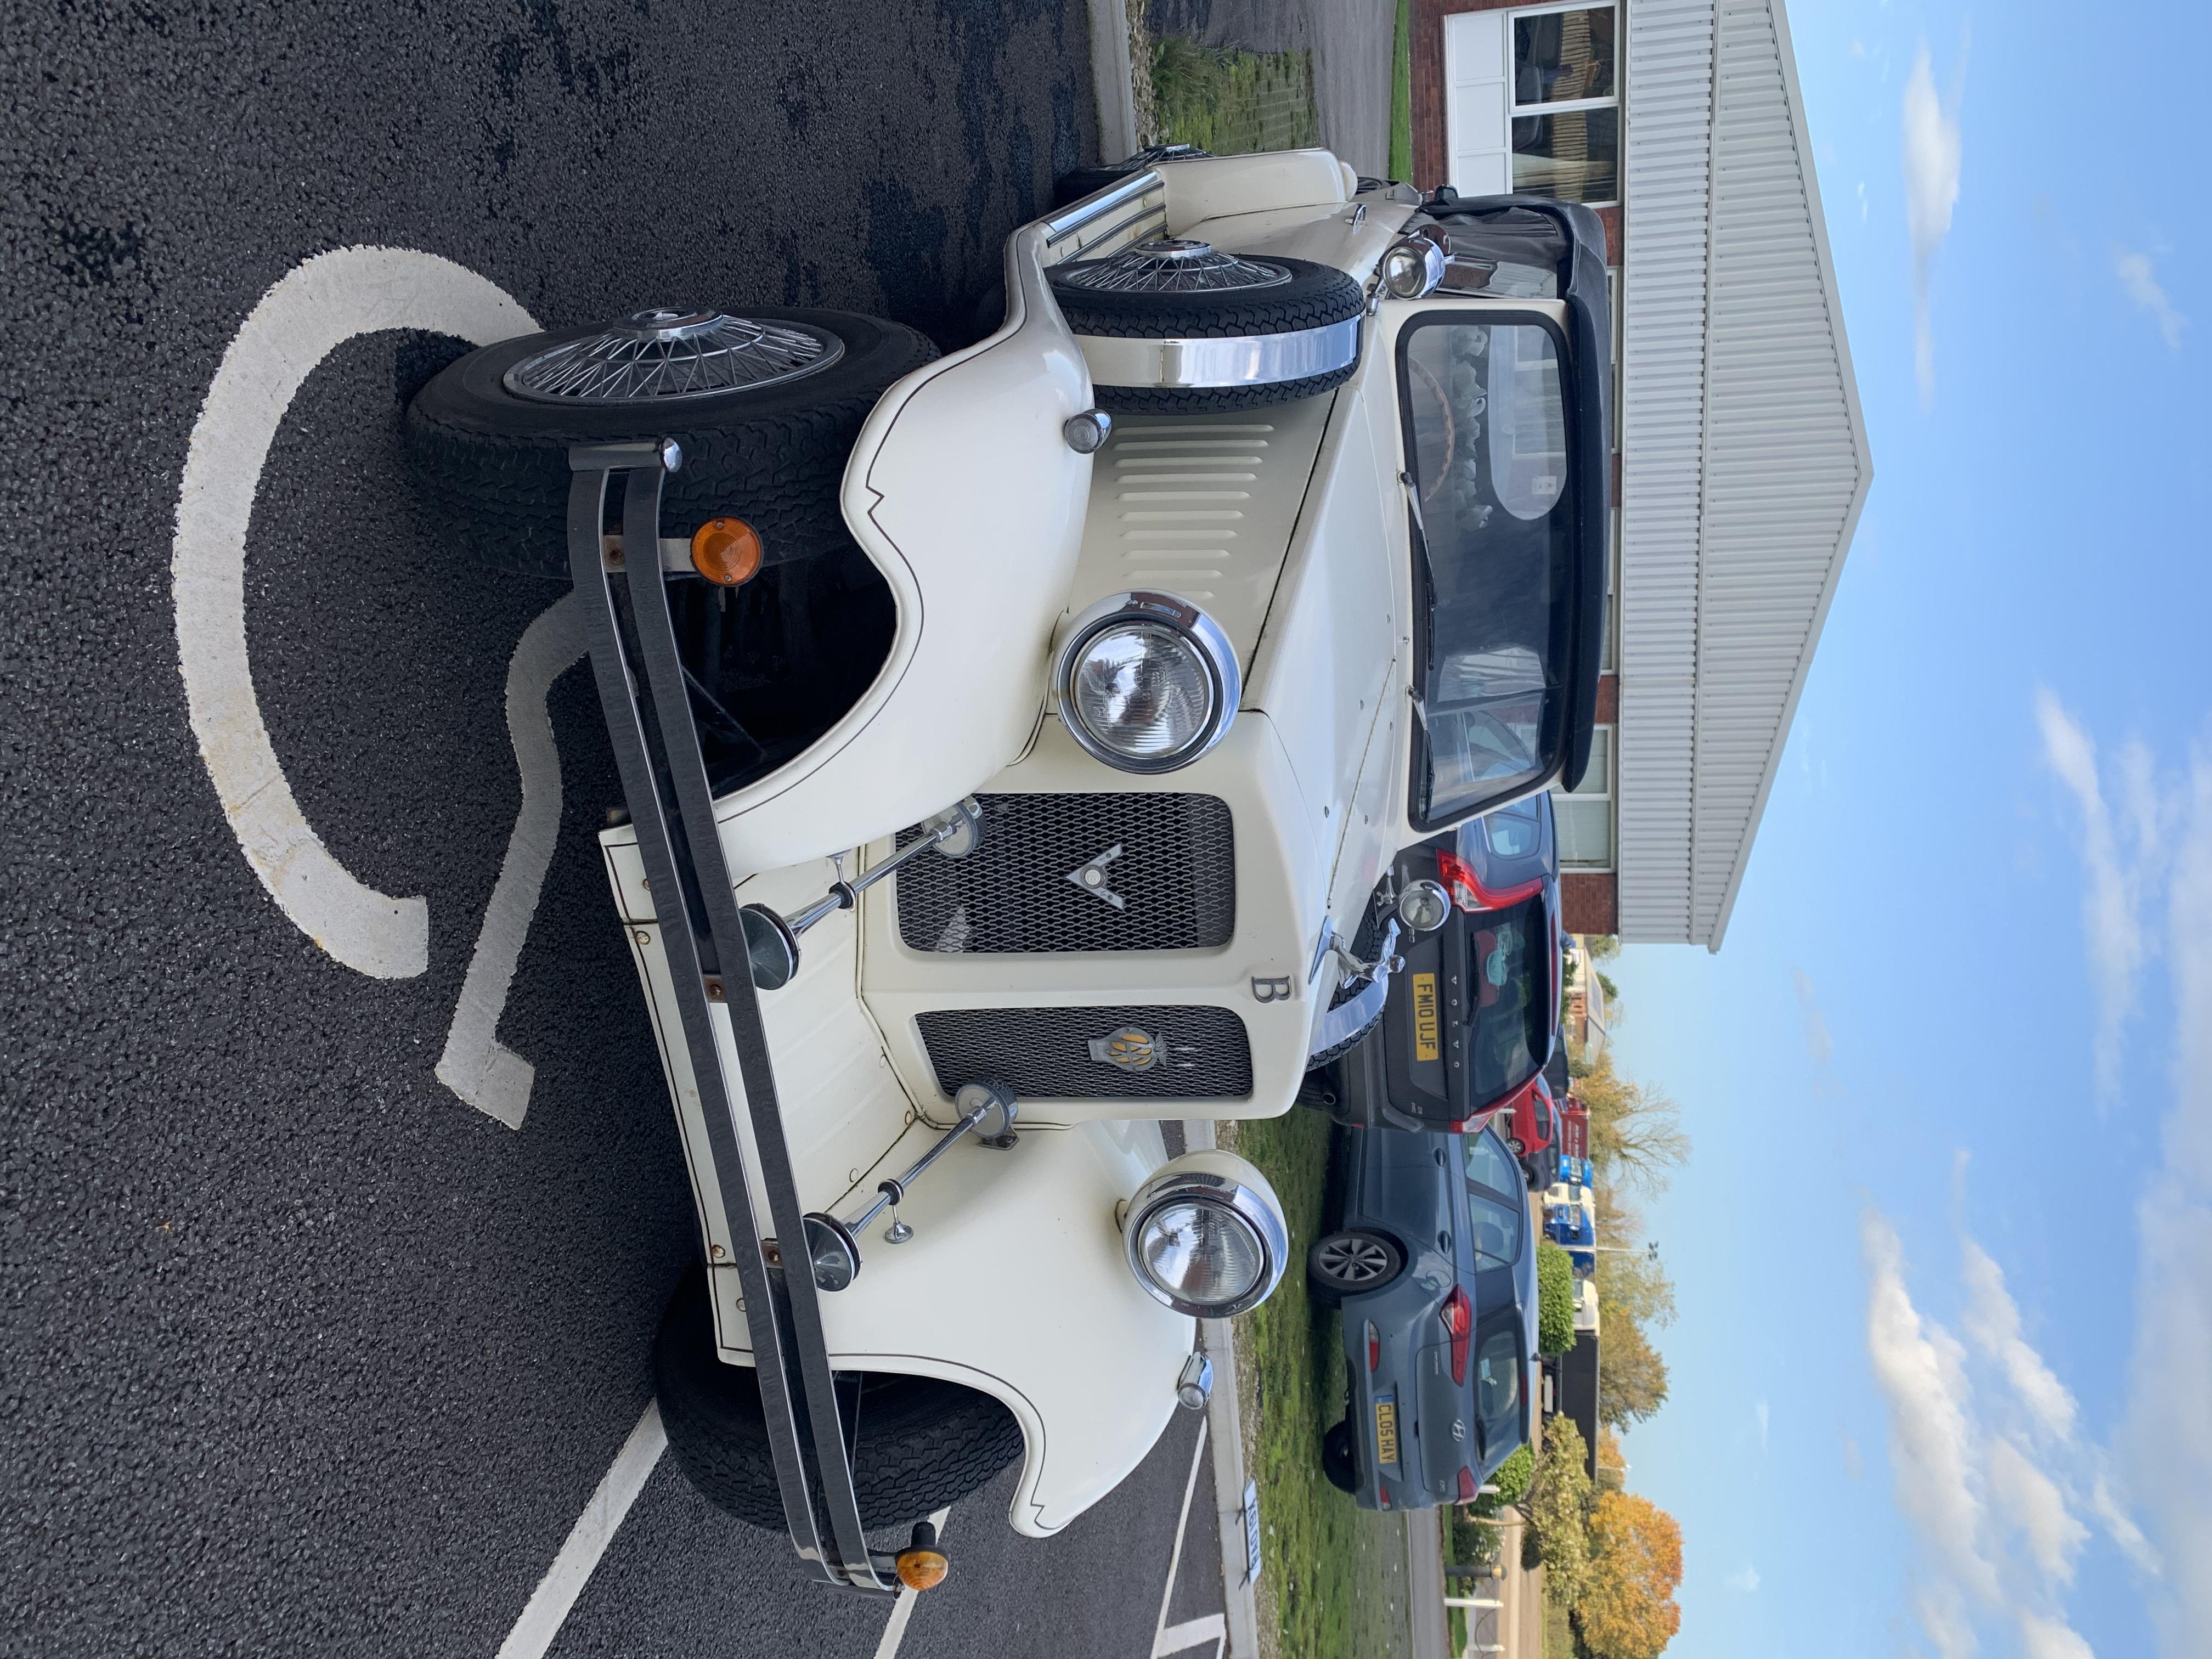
(1427, 1032)
(1386, 1431)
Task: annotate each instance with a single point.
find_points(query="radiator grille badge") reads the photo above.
(1132, 1049)
(1092, 878)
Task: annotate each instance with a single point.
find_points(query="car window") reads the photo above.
(1510, 965)
(1484, 410)
(1489, 1164)
(1497, 1376)
(1496, 1231)
(1514, 831)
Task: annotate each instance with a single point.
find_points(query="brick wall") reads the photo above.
(1589, 902)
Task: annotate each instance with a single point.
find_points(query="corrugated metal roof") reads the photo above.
(1744, 458)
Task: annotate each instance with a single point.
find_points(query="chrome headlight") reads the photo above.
(1146, 682)
(1413, 267)
(1205, 1235)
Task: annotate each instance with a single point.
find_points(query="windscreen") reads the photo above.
(1509, 966)
(1485, 416)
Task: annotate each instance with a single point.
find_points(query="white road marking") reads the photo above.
(588, 1538)
(1213, 1627)
(316, 307)
(902, 1608)
(477, 1066)
(1192, 1633)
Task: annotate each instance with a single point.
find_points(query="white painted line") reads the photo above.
(902, 1608)
(1193, 1633)
(1161, 1633)
(314, 307)
(595, 1528)
(477, 1066)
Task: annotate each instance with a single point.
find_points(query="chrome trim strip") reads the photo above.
(1342, 1023)
(1241, 360)
(1073, 218)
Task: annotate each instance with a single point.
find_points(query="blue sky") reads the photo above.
(1942, 1379)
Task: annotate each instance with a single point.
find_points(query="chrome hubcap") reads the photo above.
(1174, 265)
(1354, 1260)
(661, 355)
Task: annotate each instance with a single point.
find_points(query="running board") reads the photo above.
(664, 777)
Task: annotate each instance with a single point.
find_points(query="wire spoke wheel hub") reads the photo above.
(1174, 265)
(663, 356)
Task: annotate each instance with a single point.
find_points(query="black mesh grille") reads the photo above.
(1046, 1053)
(1175, 875)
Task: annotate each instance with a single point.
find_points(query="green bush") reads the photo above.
(1555, 1299)
(1558, 1508)
(1513, 1476)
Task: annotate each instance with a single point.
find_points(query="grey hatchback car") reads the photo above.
(1434, 1266)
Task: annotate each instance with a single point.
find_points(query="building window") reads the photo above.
(1585, 815)
(1566, 104)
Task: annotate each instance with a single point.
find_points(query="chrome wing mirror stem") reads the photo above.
(636, 664)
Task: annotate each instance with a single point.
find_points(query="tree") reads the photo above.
(1612, 1461)
(1555, 1299)
(1626, 1609)
(1631, 1373)
(1634, 1282)
(1635, 1134)
(1603, 947)
(1556, 1506)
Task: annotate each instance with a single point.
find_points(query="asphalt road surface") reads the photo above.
(303, 1353)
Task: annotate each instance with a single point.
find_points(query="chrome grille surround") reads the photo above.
(1047, 1053)
(1176, 876)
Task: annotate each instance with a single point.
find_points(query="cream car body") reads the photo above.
(1289, 527)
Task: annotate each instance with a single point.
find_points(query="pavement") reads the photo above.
(1429, 1629)
(305, 1353)
(1350, 43)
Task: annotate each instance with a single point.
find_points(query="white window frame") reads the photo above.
(1561, 797)
(1514, 109)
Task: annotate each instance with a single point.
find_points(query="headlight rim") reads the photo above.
(1184, 1185)
(1178, 615)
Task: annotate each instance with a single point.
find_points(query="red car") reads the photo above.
(1531, 1126)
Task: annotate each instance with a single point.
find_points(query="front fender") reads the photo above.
(1014, 1283)
(965, 495)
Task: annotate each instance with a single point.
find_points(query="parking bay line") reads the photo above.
(564, 1581)
(903, 1608)
(1192, 1633)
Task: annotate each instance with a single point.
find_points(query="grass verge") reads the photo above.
(1401, 94)
(1335, 1578)
(1231, 101)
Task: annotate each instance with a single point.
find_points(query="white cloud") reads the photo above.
(1744, 1581)
(2140, 282)
(1921, 1371)
(2166, 1447)
(2121, 1527)
(2030, 1502)
(1932, 158)
(2111, 907)
(1992, 1321)
(2047, 1638)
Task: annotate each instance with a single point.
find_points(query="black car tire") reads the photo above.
(1514, 1141)
(774, 456)
(923, 1443)
(1326, 1264)
(1315, 296)
(1337, 1459)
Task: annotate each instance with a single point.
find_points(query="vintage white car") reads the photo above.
(1016, 744)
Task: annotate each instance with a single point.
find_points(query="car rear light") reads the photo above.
(1374, 1347)
(1459, 1321)
(1467, 1486)
(1467, 892)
